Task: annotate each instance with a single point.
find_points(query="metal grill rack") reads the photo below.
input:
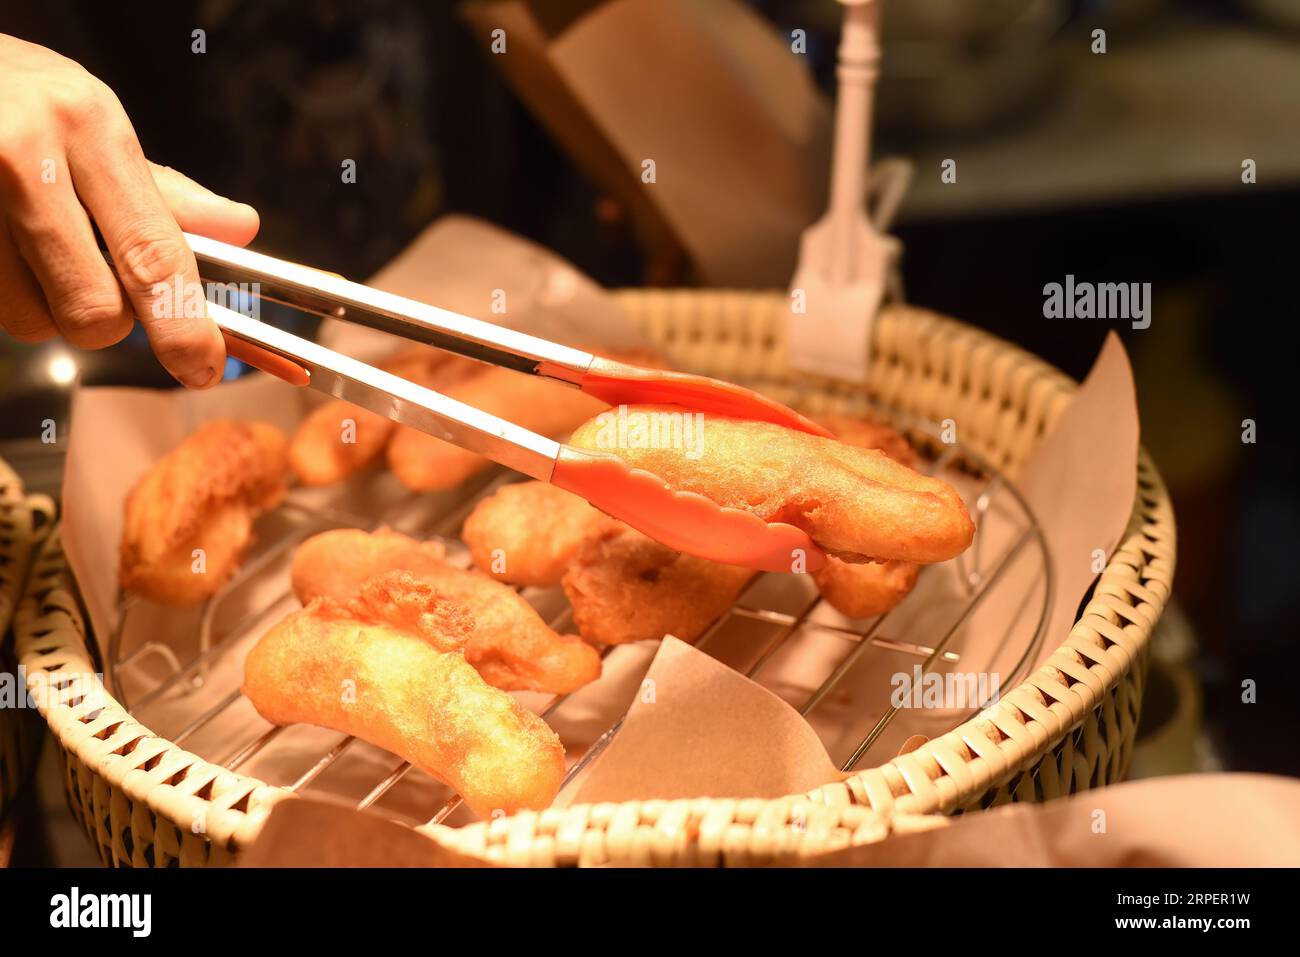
(782, 620)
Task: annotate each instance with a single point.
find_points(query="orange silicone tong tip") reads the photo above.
(267, 361)
(621, 384)
(684, 521)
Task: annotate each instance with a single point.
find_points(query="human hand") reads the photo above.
(69, 157)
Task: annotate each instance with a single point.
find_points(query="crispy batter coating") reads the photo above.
(426, 464)
(319, 453)
(528, 532)
(387, 667)
(865, 590)
(857, 504)
(339, 439)
(872, 588)
(622, 585)
(511, 646)
(203, 494)
(626, 587)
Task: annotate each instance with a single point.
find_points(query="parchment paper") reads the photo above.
(738, 132)
(310, 833)
(1207, 820)
(691, 730)
(1082, 479)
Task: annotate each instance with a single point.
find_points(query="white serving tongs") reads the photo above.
(685, 521)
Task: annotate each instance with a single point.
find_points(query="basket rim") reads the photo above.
(908, 792)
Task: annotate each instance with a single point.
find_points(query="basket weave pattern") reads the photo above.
(24, 520)
(1068, 727)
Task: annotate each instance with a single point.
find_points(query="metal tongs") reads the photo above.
(685, 521)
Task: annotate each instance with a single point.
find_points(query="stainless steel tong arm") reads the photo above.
(399, 399)
(324, 294)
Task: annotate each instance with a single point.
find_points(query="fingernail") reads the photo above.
(201, 380)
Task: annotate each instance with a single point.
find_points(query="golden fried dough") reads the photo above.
(871, 588)
(202, 495)
(626, 587)
(857, 504)
(339, 439)
(336, 563)
(336, 440)
(426, 464)
(865, 590)
(510, 646)
(387, 667)
(528, 532)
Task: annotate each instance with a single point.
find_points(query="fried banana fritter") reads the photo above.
(510, 646)
(387, 667)
(622, 585)
(865, 590)
(204, 494)
(626, 587)
(336, 440)
(528, 532)
(336, 563)
(339, 439)
(871, 588)
(857, 504)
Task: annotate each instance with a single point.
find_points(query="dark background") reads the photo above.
(440, 131)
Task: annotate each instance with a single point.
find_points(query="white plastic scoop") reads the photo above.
(843, 262)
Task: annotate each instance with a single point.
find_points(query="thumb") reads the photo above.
(199, 210)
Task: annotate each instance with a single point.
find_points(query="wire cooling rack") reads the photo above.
(179, 675)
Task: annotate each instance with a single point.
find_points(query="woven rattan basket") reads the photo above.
(24, 521)
(1070, 726)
